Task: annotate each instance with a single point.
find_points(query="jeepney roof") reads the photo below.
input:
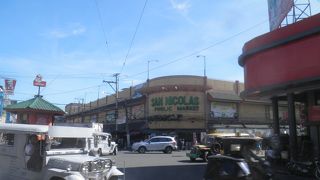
(24, 128)
(101, 133)
(70, 132)
(229, 134)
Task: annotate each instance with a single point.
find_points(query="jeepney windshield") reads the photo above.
(63, 143)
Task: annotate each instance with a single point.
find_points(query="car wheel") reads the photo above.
(168, 150)
(142, 150)
(115, 151)
(100, 152)
(192, 159)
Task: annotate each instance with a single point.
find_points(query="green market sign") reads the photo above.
(175, 103)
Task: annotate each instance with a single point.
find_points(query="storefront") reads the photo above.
(185, 106)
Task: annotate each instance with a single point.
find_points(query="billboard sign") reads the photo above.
(10, 84)
(223, 110)
(39, 82)
(278, 10)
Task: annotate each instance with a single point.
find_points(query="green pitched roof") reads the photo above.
(36, 103)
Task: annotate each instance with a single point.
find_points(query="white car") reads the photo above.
(157, 143)
(40, 152)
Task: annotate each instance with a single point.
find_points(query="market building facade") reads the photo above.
(183, 106)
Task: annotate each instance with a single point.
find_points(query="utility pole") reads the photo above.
(127, 123)
(116, 89)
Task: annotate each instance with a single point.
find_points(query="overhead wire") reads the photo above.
(201, 50)
(103, 29)
(71, 91)
(134, 35)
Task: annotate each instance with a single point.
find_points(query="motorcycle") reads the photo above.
(306, 169)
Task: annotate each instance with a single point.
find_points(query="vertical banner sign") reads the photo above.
(1, 101)
(10, 84)
(278, 10)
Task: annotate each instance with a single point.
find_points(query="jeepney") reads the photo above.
(211, 145)
(103, 145)
(40, 152)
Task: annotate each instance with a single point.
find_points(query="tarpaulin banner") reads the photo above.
(10, 84)
(278, 10)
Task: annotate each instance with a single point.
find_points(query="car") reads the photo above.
(165, 144)
(103, 145)
(41, 152)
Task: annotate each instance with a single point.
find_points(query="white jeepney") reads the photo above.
(39, 152)
(103, 145)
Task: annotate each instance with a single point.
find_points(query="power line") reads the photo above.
(134, 35)
(102, 27)
(71, 91)
(194, 53)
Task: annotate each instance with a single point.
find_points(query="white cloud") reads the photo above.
(182, 7)
(72, 30)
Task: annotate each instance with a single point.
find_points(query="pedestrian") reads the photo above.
(179, 144)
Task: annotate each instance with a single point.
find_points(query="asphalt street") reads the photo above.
(175, 166)
(159, 166)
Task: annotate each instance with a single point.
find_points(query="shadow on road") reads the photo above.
(185, 172)
(190, 162)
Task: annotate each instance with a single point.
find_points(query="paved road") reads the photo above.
(159, 166)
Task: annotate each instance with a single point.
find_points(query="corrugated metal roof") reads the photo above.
(36, 103)
(225, 96)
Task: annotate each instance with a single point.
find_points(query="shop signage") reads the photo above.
(223, 110)
(175, 103)
(39, 82)
(10, 84)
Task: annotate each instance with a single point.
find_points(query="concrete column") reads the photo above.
(292, 126)
(313, 131)
(275, 115)
(206, 105)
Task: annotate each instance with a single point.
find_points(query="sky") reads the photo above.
(76, 44)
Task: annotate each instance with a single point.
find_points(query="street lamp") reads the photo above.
(149, 61)
(204, 63)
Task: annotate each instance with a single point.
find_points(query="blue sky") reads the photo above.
(65, 42)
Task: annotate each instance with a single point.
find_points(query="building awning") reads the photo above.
(35, 104)
(224, 96)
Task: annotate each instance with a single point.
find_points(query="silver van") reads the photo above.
(39, 152)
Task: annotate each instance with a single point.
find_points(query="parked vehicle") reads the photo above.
(228, 168)
(157, 143)
(306, 169)
(39, 152)
(239, 160)
(211, 145)
(102, 144)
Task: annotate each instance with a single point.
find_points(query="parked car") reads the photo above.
(157, 143)
(102, 144)
(40, 152)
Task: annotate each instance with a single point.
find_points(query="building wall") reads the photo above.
(178, 102)
(254, 113)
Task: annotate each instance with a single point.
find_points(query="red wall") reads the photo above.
(37, 118)
(294, 61)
